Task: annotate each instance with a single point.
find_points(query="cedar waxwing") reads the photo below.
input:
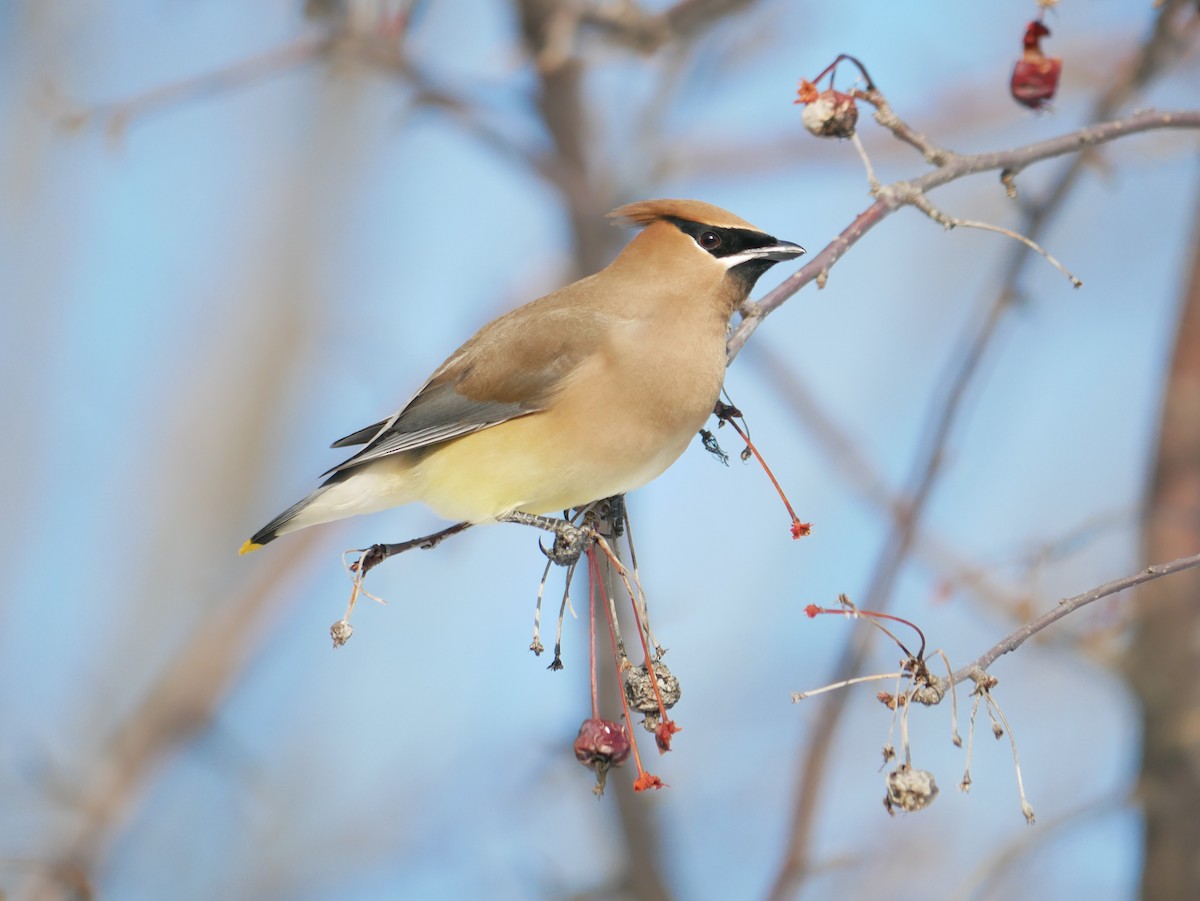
(583, 394)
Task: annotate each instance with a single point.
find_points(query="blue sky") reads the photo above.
(191, 313)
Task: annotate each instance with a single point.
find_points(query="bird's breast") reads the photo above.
(667, 380)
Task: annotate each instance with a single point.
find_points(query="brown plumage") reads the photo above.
(588, 392)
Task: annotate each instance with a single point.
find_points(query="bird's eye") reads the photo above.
(709, 240)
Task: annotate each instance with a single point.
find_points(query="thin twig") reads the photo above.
(536, 644)
(948, 222)
(798, 696)
(856, 141)
(1026, 807)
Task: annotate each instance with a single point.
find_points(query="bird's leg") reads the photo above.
(570, 541)
(377, 553)
(371, 557)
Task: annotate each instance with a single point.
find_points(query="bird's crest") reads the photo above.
(645, 212)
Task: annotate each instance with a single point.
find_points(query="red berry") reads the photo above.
(1035, 80)
(1035, 76)
(601, 743)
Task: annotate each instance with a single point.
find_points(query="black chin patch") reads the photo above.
(751, 270)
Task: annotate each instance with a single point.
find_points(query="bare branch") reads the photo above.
(628, 24)
(116, 117)
(948, 222)
(911, 193)
(1065, 607)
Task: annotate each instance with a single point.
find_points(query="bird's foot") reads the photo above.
(371, 558)
(569, 544)
(570, 541)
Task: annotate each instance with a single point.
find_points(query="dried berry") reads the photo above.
(639, 690)
(831, 114)
(909, 790)
(340, 632)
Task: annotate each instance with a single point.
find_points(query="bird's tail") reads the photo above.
(364, 489)
(289, 520)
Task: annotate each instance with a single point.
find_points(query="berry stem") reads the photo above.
(798, 528)
(592, 580)
(644, 779)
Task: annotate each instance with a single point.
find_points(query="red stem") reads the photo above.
(594, 567)
(592, 639)
(766, 469)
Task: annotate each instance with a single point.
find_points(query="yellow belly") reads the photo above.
(526, 464)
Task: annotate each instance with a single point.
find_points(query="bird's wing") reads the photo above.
(512, 367)
(362, 436)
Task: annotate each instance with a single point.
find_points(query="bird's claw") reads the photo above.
(569, 544)
(371, 558)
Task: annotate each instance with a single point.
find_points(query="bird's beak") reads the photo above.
(779, 251)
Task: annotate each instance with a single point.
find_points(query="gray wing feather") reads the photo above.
(539, 353)
(362, 436)
(437, 414)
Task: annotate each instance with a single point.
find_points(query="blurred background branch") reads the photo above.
(1163, 658)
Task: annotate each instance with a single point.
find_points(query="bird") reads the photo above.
(586, 393)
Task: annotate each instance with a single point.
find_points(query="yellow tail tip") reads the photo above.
(248, 547)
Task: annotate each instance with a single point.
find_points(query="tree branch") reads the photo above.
(955, 166)
(1065, 607)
